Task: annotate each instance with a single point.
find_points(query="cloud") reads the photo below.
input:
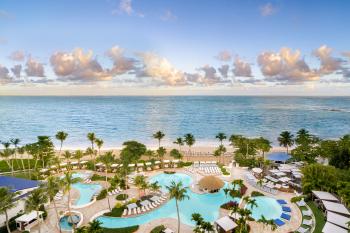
(224, 55)
(125, 7)
(268, 9)
(34, 68)
(121, 64)
(77, 66)
(241, 68)
(223, 70)
(17, 55)
(160, 70)
(16, 70)
(168, 16)
(5, 77)
(5, 15)
(210, 76)
(329, 64)
(286, 66)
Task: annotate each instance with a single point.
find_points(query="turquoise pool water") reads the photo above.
(86, 192)
(267, 206)
(65, 225)
(205, 204)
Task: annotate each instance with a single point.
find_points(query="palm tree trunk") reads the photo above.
(39, 225)
(22, 162)
(58, 217)
(60, 148)
(287, 149)
(109, 204)
(178, 217)
(7, 222)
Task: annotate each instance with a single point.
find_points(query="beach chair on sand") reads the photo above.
(279, 222)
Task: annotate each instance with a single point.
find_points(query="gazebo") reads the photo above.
(225, 224)
(211, 183)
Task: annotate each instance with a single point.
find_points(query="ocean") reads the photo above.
(120, 118)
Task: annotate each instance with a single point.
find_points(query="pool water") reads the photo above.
(267, 206)
(205, 204)
(65, 225)
(86, 192)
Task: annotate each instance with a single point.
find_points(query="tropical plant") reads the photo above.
(132, 152)
(178, 192)
(6, 154)
(36, 198)
(220, 151)
(150, 154)
(107, 159)
(189, 140)
(15, 142)
(161, 153)
(263, 145)
(286, 139)
(99, 143)
(221, 137)
(52, 186)
(176, 154)
(155, 187)
(92, 138)
(78, 155)
(141, 183)
(180, 142)
(6, 203)
(159, 135)
(61, 136)
(67, 155)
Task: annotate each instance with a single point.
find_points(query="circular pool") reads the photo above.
(267, 207)
(66, 222)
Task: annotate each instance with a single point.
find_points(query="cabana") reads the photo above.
(335, 208)
(149, 166)
(331, 228)
(175, 162)
(211, 183)
(74, 164)
(225, 224)
(196, 164)
(338, 220)
(114, 167)
(44, 170)
(83, 163)
(63, 166)
(257, 171)
(27, 221)
(156, 164)
(166, 163)
(324, 196)
(131, 166)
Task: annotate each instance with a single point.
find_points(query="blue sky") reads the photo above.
(173, 46)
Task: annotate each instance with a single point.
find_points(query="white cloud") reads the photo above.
(286, 66)
(224, 56)
(241, 68)
(121, 64)
(34, 68)
(223, 70)
(160, 70)
(268, 9)
(77, 66)
(16, 70)
(126, 7)
(329, 64)
(168, 16)
(17, 55)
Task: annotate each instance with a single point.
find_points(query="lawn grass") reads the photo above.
(116, 212)
(318, 216)
(17, 165)
(121, 230)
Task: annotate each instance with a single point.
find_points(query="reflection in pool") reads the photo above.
(205, 204)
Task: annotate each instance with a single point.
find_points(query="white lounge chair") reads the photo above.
(125, 212)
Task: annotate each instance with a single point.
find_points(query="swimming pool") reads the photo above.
(65, 225)
(267, 206)
(205, 204)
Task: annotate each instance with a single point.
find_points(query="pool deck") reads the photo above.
(50, 225)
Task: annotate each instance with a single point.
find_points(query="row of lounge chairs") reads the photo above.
(115, 191)
(59, 195)
(306, 222)
(146, 208)
(285, 216)
(250, 178)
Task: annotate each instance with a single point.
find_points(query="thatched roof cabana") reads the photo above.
(211, 183)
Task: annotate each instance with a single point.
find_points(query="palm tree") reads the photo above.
(189, 140)
(264, 145)
(159, 135)
(52, 186)
(220, 151)
(92, 138)
(99, 143)
(180, 142)
(226, 191)
(178, 192)
(221, 137)
(155, 187)
(6, 203)
(35, 199)
(67, 155)
(107, 159)
(286, 139)
(61, 136)
(6, 155)
(15, 142)
(140, 183)
(78, 155)
(150, 154)
(21, 150)
(160, 153)
(67, 182)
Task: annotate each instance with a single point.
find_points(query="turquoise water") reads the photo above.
(86, 192)
(267, 206)
(116, 119)
(65, 225)
(205, 204)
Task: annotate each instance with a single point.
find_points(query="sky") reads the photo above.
(183, 47)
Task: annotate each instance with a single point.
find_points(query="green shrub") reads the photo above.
(185, 164)
(121, 230)
(102, 194)
(96, 177)
(176, 154)
(121, 197)
(169, 172)
(256, 194)
(158, 229)
(116, 212)
(42, 208)
(296, 199)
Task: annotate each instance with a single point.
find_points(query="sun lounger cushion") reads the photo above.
(302, 230)
(286, 209)
(307, 222)
(285, 216)
(279, 222)
(282, 202)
